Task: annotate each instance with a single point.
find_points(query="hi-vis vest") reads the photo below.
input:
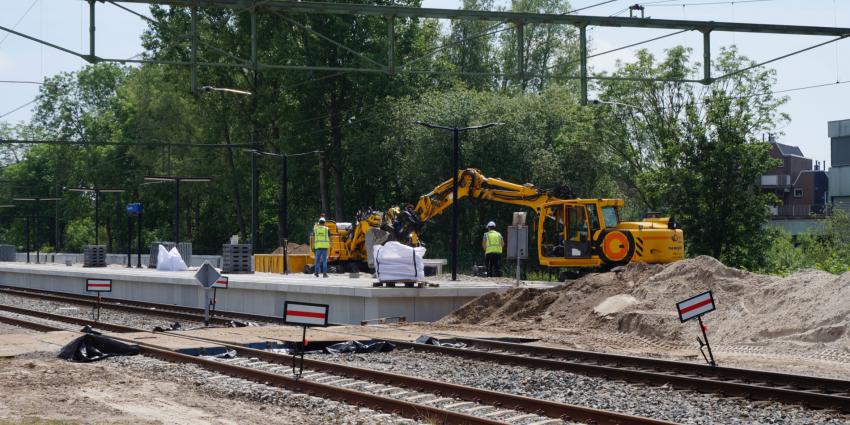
(494, 242)
(321, 238)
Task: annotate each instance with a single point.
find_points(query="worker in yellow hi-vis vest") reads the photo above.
(321, 245)
(493, 243)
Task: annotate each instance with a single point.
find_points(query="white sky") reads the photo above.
(65, 22)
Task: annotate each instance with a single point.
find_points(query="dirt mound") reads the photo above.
(293, 248)
(807, 308)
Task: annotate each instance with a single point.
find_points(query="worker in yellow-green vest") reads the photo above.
(321, 244)
(493, 244)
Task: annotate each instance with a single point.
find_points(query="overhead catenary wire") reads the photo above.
(18, 108)
(19, 21)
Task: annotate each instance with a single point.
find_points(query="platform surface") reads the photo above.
(16, 344)
(351, 300)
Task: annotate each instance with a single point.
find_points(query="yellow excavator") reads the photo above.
(572, 233)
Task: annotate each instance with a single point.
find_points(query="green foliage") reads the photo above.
(696, 154)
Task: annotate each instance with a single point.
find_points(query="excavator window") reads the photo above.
(611, 216)
(577, 243)
(594, 217)
(552, 243)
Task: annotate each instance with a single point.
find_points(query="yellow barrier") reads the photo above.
(273, 263)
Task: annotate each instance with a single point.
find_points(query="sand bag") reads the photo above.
(395, 261)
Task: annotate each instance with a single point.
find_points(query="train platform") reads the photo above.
(351, 300)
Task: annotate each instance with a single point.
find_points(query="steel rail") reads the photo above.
(176, 311)
(782, 394)
(29, 325)
(72, 320)
(745, 375)
(507, 401)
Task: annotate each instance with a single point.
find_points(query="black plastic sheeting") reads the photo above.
(92, 347)
(370, 346)
(430, 340)
(176, 326)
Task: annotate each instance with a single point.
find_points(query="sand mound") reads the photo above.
(808, 308)
(293, 248)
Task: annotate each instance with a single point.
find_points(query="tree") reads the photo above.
(696, 153)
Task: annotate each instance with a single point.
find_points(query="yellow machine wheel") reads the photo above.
(616, 247)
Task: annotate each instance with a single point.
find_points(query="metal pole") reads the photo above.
(516, 247)
(27, 231)
(35, 225)
(285, 200)
(582, 31)
(91, 30)
(129, 241)
(177, 214)
(96, 217)
(455, 171)
(710, 355)
(706, 57)
(139, 241)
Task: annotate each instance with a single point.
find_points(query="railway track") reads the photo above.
(415, 398)
(809, 391)
(140, 307)
(814, 392)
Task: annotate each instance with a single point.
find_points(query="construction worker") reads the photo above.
(493, 244)
(321, 244)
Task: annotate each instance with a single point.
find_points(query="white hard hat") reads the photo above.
(491, 224)
(321, 219)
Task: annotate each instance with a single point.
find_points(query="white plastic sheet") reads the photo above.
(170, 260)
(395, 261)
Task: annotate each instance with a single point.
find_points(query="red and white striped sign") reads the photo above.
(695, 306)
(99, 285)
(221, 283)
(305, 314)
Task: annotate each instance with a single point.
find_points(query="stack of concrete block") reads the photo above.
(7, 252)
(236, 258)
(94, 256)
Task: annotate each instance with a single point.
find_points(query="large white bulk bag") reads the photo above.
(396, 261)
(170, 260)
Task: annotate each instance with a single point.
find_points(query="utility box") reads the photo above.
(517, 242)
(94, 256)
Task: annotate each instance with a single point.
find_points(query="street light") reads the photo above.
(456, 168)
(283, 192)
(97, 191)
(35, 222)
(177, 181)
(255, 177)
(226, 90)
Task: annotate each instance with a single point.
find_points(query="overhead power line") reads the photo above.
(19, 20)
(18, 108)
(128, 144)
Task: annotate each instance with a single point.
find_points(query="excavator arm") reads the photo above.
(473, 184)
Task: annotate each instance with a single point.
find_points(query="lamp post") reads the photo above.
(284, 189)
(456, 169)
(97, 191)
(255, 177)
(177, 180)
(35, 223)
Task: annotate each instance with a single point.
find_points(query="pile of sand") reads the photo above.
(808, 308)
(293, 248)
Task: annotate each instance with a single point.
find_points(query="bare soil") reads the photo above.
(796, 323)
(39, 388)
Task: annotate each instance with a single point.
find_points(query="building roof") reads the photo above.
(788, 150)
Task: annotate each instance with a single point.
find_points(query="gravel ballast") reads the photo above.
(665, 403)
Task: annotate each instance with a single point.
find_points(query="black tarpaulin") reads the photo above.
(91, 347)
(360, 347)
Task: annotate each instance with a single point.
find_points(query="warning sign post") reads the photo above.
(693, 308)
(98, 286)
(304, 315)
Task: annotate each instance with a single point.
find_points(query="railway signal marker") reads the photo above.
(208, 276)
(695, 307)
(99, 286)
(304, 315)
